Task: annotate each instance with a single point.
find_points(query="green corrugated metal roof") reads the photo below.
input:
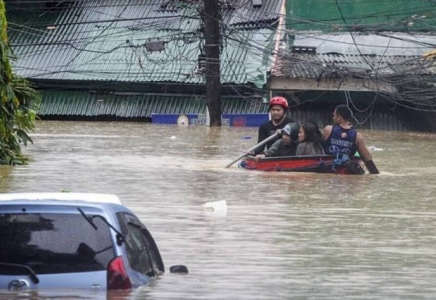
(361, 15)
(86, 104)
(104, 40)
(68, 104)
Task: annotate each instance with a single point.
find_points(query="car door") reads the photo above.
(142, 263)
(156, 259)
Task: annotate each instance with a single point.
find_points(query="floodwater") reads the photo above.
(284, 235)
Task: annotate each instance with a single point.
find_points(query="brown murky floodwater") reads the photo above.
(284, 236)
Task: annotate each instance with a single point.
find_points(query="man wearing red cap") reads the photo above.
(277, 107)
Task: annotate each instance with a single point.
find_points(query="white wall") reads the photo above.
(394, 44)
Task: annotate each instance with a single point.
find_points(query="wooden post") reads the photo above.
(212, 49)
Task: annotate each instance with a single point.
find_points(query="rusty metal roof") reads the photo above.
(314, 65)
(242, 14)
(103, 40)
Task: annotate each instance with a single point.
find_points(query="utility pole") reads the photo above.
(212, 49)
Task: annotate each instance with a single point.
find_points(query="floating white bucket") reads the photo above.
(216, 206)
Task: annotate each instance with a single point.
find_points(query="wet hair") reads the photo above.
(343, 111)
(315, 123)
(311, 133)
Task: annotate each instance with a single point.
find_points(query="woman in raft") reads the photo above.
(286, 146)
(310, 141)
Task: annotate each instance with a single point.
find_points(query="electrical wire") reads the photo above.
(239, 27)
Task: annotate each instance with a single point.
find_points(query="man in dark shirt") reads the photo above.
(277, 107)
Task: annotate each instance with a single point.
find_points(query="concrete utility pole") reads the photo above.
(212, 49)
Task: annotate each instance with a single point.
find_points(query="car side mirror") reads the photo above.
(181, 269)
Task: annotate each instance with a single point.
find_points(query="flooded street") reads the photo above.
(284, 236)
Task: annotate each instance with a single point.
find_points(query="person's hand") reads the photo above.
(279, 131)
(249, 153)
(259, 156)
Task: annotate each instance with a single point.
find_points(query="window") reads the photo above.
(54, 243)
(137, 253)
(156, 259)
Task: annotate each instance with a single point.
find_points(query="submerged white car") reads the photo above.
(74, 240)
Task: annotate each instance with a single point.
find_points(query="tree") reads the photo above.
(18, 103)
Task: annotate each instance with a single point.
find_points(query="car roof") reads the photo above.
(87, 197)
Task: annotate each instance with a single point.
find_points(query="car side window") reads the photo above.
(54, 243)
(156, 259)
(136, 248)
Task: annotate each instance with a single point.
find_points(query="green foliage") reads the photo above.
(18, 104)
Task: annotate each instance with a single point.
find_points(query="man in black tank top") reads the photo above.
(278, 107)
(341, 117)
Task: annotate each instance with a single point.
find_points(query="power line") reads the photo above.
(134, 54)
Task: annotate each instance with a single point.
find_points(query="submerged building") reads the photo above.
(128, 59)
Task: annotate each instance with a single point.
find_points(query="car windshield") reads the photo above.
(53, 243)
